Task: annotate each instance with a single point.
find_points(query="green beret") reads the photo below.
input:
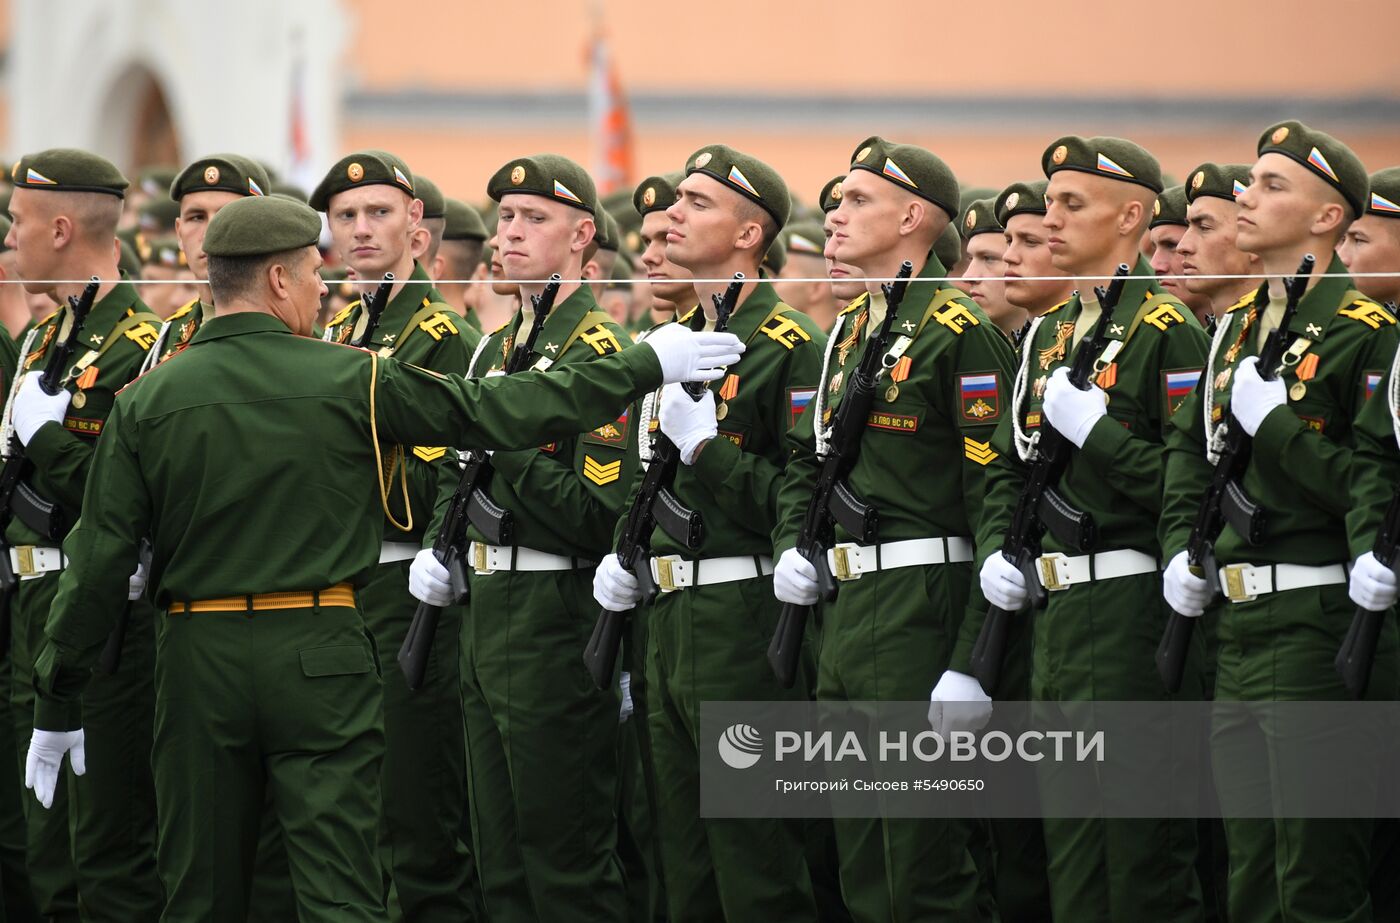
(5, 195)
(1327, 158)
(969, 194)
(830, 198)
(363, 168)
(776, 257)
(66, 169)
(656, 193)
(157, 214)
(1021, 199)
(803, 237)
(290, 190)
(434, 205)
(128, 262)
(1170, 208)
(156, 180)
(260, 225)
(165, 251)
(224, 172)
(608, 235)
(980, 217)
(948, 247)
(619, 201)
(5, 223)
(750, 177)
(549, 175)
(273, 176)
(1114, 158)
(1385, 193)
(913, 168)
(463, 222)
(1222, 180)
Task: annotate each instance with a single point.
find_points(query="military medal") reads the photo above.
(1298, 391)
(84, 381)
(1063, 331)
(1233, 352)
(898, 374)
(727, 392)
(1306, 371)
(79, 400)
(835, 383)
(721, 412)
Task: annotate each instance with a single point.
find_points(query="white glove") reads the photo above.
(428, 580)
(1372, 584)
(614, 586)
(46, 749)
(795, 579)
(958, 703)
(1253, 397)
(136, 583)
(688, 356)
(1003, 583)
(1186, 593)
(1071, 411)
(687, 423)
(627, 707)
(33, 408)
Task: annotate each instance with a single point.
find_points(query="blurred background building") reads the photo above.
(631, 87)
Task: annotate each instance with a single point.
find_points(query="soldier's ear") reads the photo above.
(64, 231)
(1330, 219)
(1131, 217)
(916, 214)
(415, 211)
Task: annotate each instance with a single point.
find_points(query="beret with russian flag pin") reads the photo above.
(222, 173)
(913, 168)
(66, 169)
(1115, 158)
(1220, 180)
(363, 168)
(1385, 193)
(1324, 156)
(747, 175)
(550, 176)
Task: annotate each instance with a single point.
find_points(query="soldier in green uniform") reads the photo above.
(545, 838)
(1372, 243)
(984, 239)
(65, 208)
(201, 189)
(726, 215)
(1286, 606)
(1097, 637)
(1208, 246)
(669, 284)
(846, 281)
(1020, 210)
(463, 243)
(268, 678)
(889, 634)
(1164, 232)
(371, 205)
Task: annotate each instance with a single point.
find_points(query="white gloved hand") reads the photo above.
(1372, 584)
(1253, 397)
(428, 580)
(1071, 411)
(688, 423)
(795, 579)
(688, 356)
(136, 583)
(614, 586)
(33, 408)
(45, 758)
(1003, 583)
(1186, 593)
(627, 707)
(958, 703)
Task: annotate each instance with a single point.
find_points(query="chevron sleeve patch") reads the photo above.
(430, 453)
(601, 473)
(980, 452)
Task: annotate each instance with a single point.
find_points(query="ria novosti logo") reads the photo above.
(740, 746)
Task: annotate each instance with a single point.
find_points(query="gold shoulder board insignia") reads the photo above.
(430, 453)
(345, 313)
(783, 329)
(980, 452)
(1164, 316)
(1246, 301)
(438, 326)
(184, 311)
(956, 317)
(600, 473)
(602, 340)
(1057, 307)
(857, 304)
(143, 335)
(1369, 313)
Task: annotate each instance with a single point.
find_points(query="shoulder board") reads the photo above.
(603, 340)
(344, 313)
(143, 335)
(952, 313)
(1244, 302)
(184, 311)
(784, 329)
(1055, 308)
(684, 318)
(1369, 313)
(1164, 316)
(499, 329)
(440, 324)
(857, 304)
(48, 317)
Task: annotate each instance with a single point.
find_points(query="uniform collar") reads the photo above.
(401, 308)
(1319, 306)
(231, 325)
(563, 318)
(108, 311)
(753, 311)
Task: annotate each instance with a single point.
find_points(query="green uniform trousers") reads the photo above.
(94, 857)
(637, 845)
(888, 637)
(423, 779)
(16, 898)
(1280, 647)
(708, 644)
(1096, 642)
(287, 701)
(541, 751)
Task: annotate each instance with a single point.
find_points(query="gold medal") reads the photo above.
(79, 400)
(843, 355)
(721, 411)
(891, 393)
(835, 383)
(1298, 391)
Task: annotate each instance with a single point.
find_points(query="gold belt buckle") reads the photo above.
(1234, 584)
(665, 574)
(24, 554)
(841, 557)
(479, 558)
(1049, 573)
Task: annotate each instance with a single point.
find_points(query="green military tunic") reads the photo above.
(424, 772)
(889, 635)
(1097, 640)
(105, 823)
(709, 643)
(177, 331)
(1281, 645)
(286, 698)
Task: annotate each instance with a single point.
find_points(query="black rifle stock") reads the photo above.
(1358, 651)
(451, 545)
(832, 500)
(371, 309)
(1225, 500)
(1039, 501)
(654, 506)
